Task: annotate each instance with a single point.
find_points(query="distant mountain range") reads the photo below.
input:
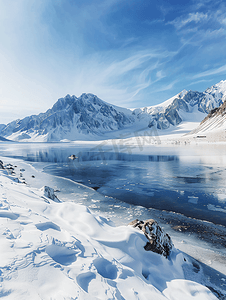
(89, 118)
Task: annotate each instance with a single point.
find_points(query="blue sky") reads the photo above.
(131, 53)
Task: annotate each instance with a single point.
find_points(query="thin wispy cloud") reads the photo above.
(196, 18)
(196, 82)
(167, 87)
(217, 71)
(126, 77)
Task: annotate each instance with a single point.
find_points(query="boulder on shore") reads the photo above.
(49, 193)
(158, 241)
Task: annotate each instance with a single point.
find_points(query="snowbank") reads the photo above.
(60, 250)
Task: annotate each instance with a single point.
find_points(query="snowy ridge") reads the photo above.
(90, 118)
(60, 250)
(213, 127)
(215, 123)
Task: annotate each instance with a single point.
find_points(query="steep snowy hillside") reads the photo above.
(89, 118)
(213, 127)
(2, 139)
(2, 126)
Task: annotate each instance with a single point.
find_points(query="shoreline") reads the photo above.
(206, 266)
(181, 228)
(56, 249)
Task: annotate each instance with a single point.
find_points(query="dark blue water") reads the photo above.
(188, 181)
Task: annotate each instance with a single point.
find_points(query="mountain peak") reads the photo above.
(182, 93)
(63, 103)
(217, 88)
(89, 117)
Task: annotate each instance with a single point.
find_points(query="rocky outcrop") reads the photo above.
(218, 111)
(49, 193)
(158, 241)
(212, 128)
(1, 164)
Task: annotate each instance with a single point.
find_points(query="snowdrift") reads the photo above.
(60, 250)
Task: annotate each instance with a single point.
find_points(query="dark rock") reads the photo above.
(49, 193)
(219, 111)
(72, 157)
(158, 241)
(218, 294)
(1, 165)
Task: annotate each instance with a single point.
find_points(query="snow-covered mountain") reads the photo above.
(172, 111)
(88, 117)
(70, 118)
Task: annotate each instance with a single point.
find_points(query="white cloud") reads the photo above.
(117, 79)
(211, 72)
(199, 81)
(196, 17)
(155, 21)
(167, 87)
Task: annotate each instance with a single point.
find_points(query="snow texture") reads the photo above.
(60, 250)
(214, 124)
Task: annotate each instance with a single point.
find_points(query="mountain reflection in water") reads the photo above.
(191, 184)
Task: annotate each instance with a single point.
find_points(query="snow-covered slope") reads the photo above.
(88, 117)
(215, 120)
(60, 250)
(2, 126)
(2, 139)
(213, 127)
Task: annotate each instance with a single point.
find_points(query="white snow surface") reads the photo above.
(160, 107)
(214, 124)
(60, 250)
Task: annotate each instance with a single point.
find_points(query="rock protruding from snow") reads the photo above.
(72, 157)
(213, 126)
(1, 164)
(49, 193)
(158, 241)
(218, 111)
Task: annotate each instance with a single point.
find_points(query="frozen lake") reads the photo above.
(188, 180)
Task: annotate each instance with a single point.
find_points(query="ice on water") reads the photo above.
(61, 253)
(60, 250)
